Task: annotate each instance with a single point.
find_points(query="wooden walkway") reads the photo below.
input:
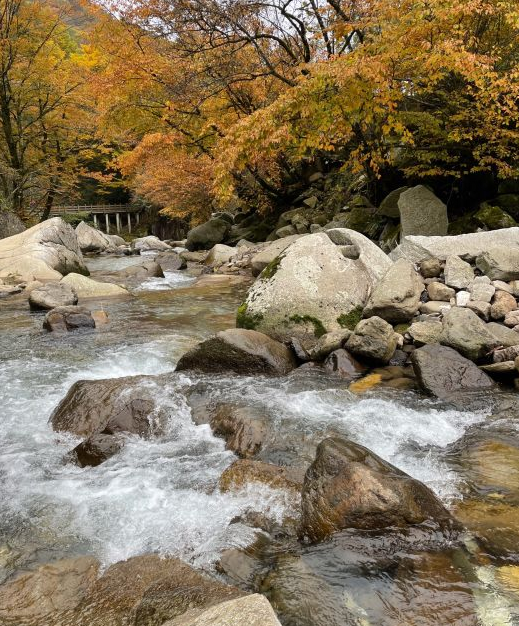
(107, 210)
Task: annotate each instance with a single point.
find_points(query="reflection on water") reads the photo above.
(161, 495)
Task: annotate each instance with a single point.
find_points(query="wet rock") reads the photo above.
(422, 213)
(458, 273)
(52, 295)
(243, 429)
(241, 351)
(170, 261)
(348, 486)
(207, 235)
(466, 333)
(88, 288)
(499, 263)
(439, 291)
(396, 297)
(431, 268)
(66, 318)
(10, 224)
(253, 610)
(442, 371)
(109, 406)
(43, 252)
(341, 363)
(100, 318)
(425, 332)
(312, 289)
(95, 450)
(92, 240)
(150, 243)
(374, 340)
(502, 304)
(35, 598)
(245, 471)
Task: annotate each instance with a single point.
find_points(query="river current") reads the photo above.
(160, 495)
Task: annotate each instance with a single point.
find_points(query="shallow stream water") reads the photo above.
(160, 495)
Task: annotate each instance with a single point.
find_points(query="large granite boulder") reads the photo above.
(348, 486)
(150, 244)
(10, 224)
(207, 235)
(500, 262)
(464, 331)
(44, 252)
(422, 213)
(92, 240)
(441, 371)
(51, 295)
(468, 246)
(109, 406)
(88, 288)
(241, 351)
(312, 288)
(374, 340)
(260, 260)
(396, 298)
(219, 254)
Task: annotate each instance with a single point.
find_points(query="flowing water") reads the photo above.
(160, 495)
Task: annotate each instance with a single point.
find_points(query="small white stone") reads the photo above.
(482, 292)
(462, 298)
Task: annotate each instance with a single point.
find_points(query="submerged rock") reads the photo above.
(95, 450)
(65, 318)
(241, 351)
(442, 371)
(348, 486)
(52, 295)
(109, 406)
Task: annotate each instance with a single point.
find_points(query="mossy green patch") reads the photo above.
(271, 268)
(246, 320)
(319, 329)
(402, 328)
(351, 319)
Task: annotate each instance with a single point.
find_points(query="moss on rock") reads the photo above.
(319, 329)
(351, 319)
(245, 320)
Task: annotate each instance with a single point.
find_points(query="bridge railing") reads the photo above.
(94, 208)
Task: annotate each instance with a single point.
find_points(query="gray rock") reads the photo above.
(396, 297)
(312, 289)
(480, 308)
(389, 205)
(439, 291)
(458, 273)
(328, 343)
(88, 288)
(44, 252)
(481, 290)
(374, 340)
(506, 354)
(499, 263)
(348, 486)
(466, 333)
(10, 224)
(92, 240)
(425, 332)
(52, 295)
(422, 213)
(441, 371)
(240, 351)
(66, 318)
(434, 307)
(468, 246)
(286, 231)
(206, 235)
(170, 261)
(260, 261)
(502, 286)
(150, 243)
(504, 336)
(219, 254)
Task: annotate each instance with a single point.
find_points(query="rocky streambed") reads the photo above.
(208, 467)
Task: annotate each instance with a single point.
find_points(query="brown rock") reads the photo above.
(66, 318)
(245, 471)
(348, 486)
(240, 351)
(431, 268)
(503, 303)
(96, 449)
(440, 292)
(341, 363)
(243, 430)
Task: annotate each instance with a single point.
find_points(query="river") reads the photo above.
(160, 495)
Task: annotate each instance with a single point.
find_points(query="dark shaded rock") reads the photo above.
(108, 406)
(422, 213)
(10, 224)
(52, 295)
(206, 235)
(243, 429)
(95, 450)
(348, 486)
(341, 362)
(389, 205)
(441, 371)
(241, 351)
(171, 261)
(246, 471)
(66, 318)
